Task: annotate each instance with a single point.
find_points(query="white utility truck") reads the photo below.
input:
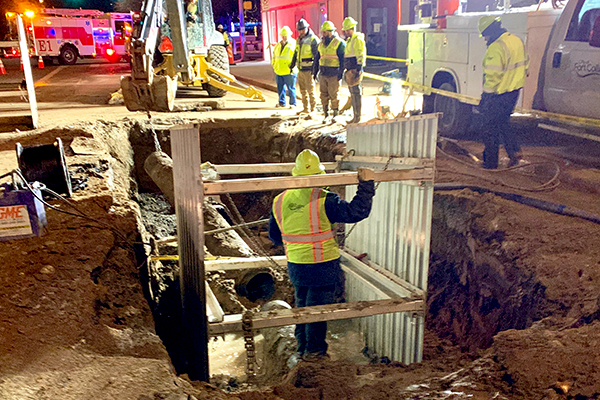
(564, 52)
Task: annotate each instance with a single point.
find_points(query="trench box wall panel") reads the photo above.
(396, 236)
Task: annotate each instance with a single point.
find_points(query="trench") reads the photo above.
(476, 288)
(222, 142)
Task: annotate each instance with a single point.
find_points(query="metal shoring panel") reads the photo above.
(396, 236)
(188, 190)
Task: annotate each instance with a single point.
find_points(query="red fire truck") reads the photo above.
(67, 34)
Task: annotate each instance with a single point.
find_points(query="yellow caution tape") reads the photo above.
(591, 122)
(387, 59)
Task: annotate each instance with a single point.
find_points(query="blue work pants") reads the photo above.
(496, 110)
(311, 337)
(286, 82)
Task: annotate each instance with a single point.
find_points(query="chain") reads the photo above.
(155, 137)
(246, 233)
(249, 344)
(157, 146)
(387, 164)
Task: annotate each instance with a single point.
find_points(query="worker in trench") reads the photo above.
(329, 68)
(504, 70)
(306, 51)
(301, 220)
(355, 58)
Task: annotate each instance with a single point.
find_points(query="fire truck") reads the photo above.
(68, 34)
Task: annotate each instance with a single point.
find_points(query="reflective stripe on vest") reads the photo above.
(304, 49)
(328, 53)
(355, 47)
(505, 65)
(282, 57)
(306, 214)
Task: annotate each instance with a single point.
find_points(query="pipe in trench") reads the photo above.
(555, 208)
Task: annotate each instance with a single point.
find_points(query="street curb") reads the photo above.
(256, 83)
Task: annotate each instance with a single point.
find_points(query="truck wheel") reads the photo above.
(455, 115)
(217, 56)
(68, 55)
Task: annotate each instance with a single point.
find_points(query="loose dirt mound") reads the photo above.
(540, 362)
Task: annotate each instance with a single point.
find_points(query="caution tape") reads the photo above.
(427, 90)
(387, 59)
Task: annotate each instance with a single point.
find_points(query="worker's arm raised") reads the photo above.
(359, 208)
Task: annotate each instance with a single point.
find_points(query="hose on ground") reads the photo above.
(550, 184)
(555, 208)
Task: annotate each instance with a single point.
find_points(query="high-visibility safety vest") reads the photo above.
(305, 229)
(328, 53)
(304, 50)
(356, 47)
(282, 57)
(504, 65)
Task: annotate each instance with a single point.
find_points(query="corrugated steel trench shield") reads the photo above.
(396, 236)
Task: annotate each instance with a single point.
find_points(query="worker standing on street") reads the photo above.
(302, 220)
(282, 65)
(227, 41)
(330, 68)
(504, 70)
(307, 49)
(355, 58)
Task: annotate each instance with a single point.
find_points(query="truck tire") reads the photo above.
(456, 116)
(217, 56)
(68, 55)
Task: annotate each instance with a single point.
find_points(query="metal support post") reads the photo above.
(187, 178)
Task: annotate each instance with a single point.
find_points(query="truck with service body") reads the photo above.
(564, 61)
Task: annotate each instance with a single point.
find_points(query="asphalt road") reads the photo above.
(71, 93)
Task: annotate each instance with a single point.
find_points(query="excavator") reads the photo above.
(175, 43)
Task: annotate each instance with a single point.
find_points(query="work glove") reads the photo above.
(366, 184)
(365, 175)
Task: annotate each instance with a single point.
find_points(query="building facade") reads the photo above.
(377, 19)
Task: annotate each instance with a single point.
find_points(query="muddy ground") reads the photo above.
(513, 297)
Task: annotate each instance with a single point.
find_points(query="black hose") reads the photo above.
(555, 208)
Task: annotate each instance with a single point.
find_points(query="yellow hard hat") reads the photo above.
(349, 23)
(308, 163)
(285, 31)
(328, 26)
(485, 22)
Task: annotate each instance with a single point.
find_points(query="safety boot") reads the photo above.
(325, 114)
(335, 114)
(356, 107)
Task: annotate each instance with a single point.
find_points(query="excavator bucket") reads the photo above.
(158, 96)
